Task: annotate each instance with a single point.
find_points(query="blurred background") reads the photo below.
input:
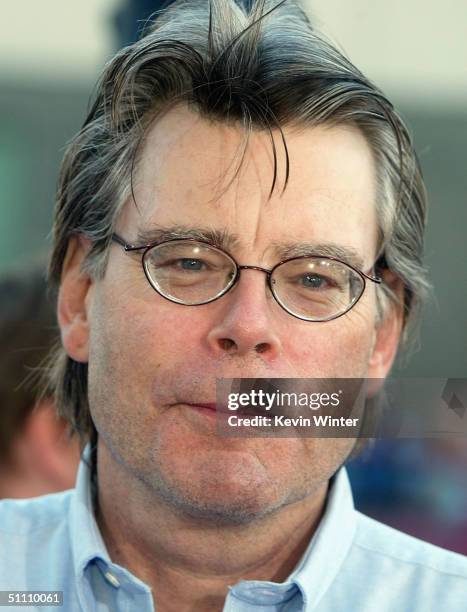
(50, 57)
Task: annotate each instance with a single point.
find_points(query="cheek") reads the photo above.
(133, 343)
(142, 331)
(335, 349)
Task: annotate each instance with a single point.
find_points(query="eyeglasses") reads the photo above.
(193, 272)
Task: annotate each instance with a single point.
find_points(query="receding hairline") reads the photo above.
(181, 111)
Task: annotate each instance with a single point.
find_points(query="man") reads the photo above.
(221, 145)
(36, 454)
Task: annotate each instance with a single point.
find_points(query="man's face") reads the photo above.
(150, 358)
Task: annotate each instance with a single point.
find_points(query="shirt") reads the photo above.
(352, 563)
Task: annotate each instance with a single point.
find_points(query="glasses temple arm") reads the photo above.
(128, 247)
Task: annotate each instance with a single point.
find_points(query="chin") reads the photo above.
(218, 496)
(240, 509)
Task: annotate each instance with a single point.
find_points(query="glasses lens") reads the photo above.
(189, 272)
(316, 289)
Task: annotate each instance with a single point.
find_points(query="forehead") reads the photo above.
(186, 176)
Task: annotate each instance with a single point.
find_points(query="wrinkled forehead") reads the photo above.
(194, 172)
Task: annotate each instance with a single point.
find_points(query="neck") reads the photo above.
(193, 558)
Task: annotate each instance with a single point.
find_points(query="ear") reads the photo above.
(74, 300)
(388, 331)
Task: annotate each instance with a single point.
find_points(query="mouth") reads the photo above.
(210, 408)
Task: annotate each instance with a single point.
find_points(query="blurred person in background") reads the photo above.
(134, 16)
(37, 456)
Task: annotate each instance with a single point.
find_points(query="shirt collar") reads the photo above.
(322, 559)
(330, 543)
(86, 540)
(313, 574)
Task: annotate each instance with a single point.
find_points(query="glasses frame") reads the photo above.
(129, 248)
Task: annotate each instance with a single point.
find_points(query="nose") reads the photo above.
(243, 324)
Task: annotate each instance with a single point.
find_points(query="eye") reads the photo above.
(314, 281)
(190, 264)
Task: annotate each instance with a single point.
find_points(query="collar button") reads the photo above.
(112, 580)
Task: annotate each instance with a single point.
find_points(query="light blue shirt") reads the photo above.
(352, 563)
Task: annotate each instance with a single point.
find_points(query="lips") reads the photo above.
(211, 406)
(221, 409)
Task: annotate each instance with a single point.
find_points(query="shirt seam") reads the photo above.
(409, 562)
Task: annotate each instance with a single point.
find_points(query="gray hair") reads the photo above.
(262, 69)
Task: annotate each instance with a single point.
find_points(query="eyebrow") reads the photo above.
(227, 241)
(218, 238)
(346, 254)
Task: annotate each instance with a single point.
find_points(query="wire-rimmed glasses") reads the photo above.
(192, 272)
